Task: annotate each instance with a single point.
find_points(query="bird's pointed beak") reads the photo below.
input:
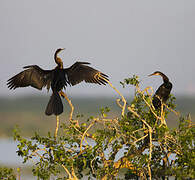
(151, 74)
(62, 49)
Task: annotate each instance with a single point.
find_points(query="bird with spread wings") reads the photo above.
(57, 79)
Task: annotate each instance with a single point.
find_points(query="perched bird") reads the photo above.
(162, 93)
(57, 79)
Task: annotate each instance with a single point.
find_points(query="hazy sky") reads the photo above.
(120, 38)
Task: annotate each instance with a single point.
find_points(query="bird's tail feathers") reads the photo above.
(54, 105)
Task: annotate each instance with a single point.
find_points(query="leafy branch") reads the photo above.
(138, 140)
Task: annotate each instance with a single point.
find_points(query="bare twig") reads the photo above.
(143, 137)
(138, 130)
(132, 111)
(69, 102)
(143, 96)
(150, 153)
(83, 137)
(118, 103)
(175, 112)
(57, 126)
(70, 177)
(73, 174)
(122, 97)
(163, 122)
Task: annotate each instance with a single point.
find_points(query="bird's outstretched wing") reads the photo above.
(79, 72)
(33, 76)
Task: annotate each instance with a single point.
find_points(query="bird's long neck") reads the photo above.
(165, 78)
(58, 61)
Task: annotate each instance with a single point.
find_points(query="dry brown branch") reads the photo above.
(69, 102)
(138, 130)
(122, 97)
(163, 122)
(57, 126)
(118, 103)
(57, 117)
(177, 150)
(70, 176)
(143, 137)
(132, 111)
(175, 112)
(83, 137)
(150, 153)
(73, 174)
(150, 95)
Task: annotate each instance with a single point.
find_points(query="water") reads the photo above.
(8, 155)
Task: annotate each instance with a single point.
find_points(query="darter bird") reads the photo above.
(163, 92)
(58, 79)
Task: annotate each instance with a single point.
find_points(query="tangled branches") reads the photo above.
(138, 140)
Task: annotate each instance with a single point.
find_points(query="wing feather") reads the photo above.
(79, 72)
(32, 76)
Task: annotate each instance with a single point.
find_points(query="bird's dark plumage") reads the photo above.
(163, 92)
(33, 76)
(54, 105)
(79, 72)
(57, 79)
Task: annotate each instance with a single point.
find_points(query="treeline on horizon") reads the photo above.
(28, 112)
(185, 104)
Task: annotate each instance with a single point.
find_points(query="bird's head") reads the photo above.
(57, 59)
(59, 50)
(156, 73)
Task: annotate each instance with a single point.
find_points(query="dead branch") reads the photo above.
(69, 102)
(83, 137)
(122, 97)
(57, 126)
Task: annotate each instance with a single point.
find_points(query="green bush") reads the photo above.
(7, 173)
(148, 148)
